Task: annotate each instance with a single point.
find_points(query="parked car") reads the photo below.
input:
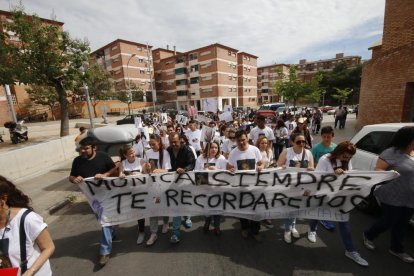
(269, 110)
(370, 141)
(327, 108)
(331, 112)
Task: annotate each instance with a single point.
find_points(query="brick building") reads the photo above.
(128, 63)
(21, 102)
(307, 69)
(214, 71)
(387, 87)
(266, 77)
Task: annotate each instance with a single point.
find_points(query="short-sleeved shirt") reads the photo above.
(320, 150)
(153, 158)
(325, 164)
(132, 167)
(33, 226)
(256, 132)
(399, 191)
(228, 146)
(290, 125)
(245, 160)
(203, 163)
(101, 163)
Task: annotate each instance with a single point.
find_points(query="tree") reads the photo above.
(44, 95)
(136, 92)
(99, 85)
(43, 55)
(342, 94)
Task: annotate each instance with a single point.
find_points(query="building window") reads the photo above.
(142, 72)
(206, 78)
(206, 65)
(114, 48)
(192, 56)
(207, 90)
(194, 68)
(140, 60)
(180, 71)
(181, 82)
(194, 80)
(205, 53)
(179, 59)
(181, 93)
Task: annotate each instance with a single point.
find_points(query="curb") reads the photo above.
(56, 207)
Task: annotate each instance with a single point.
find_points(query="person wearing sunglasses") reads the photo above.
(299, 157)
(338, 162)
(302, 129)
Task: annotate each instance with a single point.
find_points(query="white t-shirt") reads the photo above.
(221, 141)
(153, 158)
(165, 141)
(33, 226)
(132, 167)
(194, 137)
(203, 163)
(267, 157)
(290, 126)
(293, 158)
(245, 160)
(228, 146)
(325, 165)
(256, 132)
(139, 148)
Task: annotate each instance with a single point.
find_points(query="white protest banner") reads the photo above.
(207, 134)
(181, 119)
(163, 118)
(226, 116)
(137, 121)
(269, 194)
(210, 105)
(228, 108)
(202, 118)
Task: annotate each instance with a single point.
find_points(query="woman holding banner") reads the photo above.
(156, 160)
(299, 157)
(211, 159)
(397, 196)
(338, 162)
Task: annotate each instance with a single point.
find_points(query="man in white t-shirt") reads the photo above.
(290, 124)
(194, 136)
(261, 130)
(246, 157)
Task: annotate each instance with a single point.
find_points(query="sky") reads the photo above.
(277, 31)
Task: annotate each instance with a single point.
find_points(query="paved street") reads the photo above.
(76, 234)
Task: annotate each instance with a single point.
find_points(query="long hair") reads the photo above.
(157, 138)
(341, 148)
(206, 152)
(123, 151)
(402, 138)
(261, 138)
(15, 197)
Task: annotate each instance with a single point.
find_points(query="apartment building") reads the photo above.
(215, 71)
(129, 63)
(307, 69)
(21, 101)
(266, 77)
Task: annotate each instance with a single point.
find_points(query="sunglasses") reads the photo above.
(300, 142)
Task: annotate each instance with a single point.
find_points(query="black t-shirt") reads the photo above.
(89, 168)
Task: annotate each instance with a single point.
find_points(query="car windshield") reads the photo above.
(264, 107)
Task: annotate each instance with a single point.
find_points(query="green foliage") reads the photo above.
(342, 94)
(43, 55)
(44, 95)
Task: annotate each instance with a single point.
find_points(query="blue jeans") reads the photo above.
(290, 224)
(106, 240)
(176, 226)
(343, 229)
(394, 218)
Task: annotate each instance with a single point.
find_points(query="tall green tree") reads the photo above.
(342, 94)
(44, 95)
(43, 55)
(99, 85)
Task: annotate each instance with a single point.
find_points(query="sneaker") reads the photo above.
(327, 224)
(403, 256)
(245, 233)
(103, 260)
(267, 223)
(368, 243)
(295, 233)
(165, 228)
(312, 236)
(288, 236)
(257, 237)
(141, 238)
(356, 258)
(188, 223)
(153, 238)
(174, 239)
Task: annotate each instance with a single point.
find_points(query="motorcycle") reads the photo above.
(18, 132)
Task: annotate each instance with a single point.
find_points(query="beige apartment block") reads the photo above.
(267, 76)
(129, 63)
(307, 69)
(208, 72)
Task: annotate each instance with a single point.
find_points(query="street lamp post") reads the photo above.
(323, 97)
(129, 85)
(153, 93)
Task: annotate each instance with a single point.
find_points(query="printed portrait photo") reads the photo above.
(201, 178)
(246, 164)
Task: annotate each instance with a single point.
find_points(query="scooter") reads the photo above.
(18, 132)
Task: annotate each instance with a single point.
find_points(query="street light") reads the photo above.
(129, 85)
(323, 97)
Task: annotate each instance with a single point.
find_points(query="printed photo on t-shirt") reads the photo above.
(206, 165)
(261, 135)
(201, 178)
(246, 164)
(153, 163)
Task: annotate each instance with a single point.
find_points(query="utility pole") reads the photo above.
(153, 92)
(10, 101)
